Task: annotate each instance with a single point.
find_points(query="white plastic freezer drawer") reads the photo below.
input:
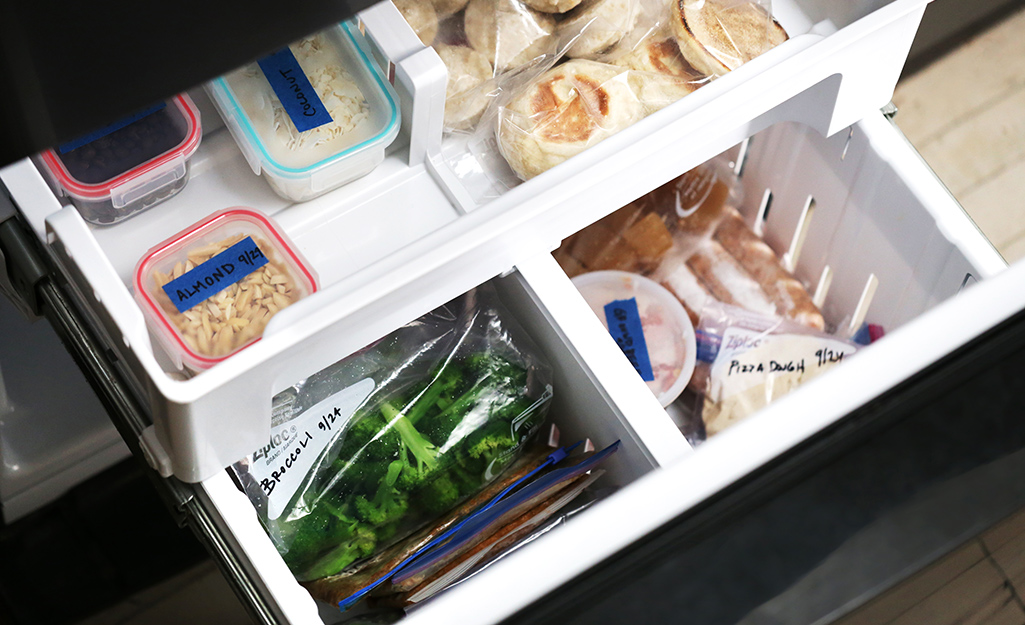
(880, 219)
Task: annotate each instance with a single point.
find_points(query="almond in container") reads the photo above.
(210, 291)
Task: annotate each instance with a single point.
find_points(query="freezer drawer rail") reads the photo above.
(34, 286)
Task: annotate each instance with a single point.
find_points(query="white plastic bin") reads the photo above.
(880, 217)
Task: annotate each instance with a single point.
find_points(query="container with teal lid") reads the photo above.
(310, 117)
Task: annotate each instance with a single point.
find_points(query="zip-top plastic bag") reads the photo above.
(718, 36)
(747, 361)
(377, 445)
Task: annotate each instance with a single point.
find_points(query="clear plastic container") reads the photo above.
(129, 166)
(666, 340)
(355, 105)
(239, 270)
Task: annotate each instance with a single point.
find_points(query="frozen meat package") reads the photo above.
(387, 440)
(312, 116)
(759, 333)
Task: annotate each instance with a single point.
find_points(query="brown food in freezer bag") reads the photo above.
(566, 110)
(335, 588)
(791, 299)
(717, 36)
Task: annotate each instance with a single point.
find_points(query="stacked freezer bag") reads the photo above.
(425, 439)
(757, 332)
(543, 80)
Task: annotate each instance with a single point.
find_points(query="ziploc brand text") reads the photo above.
(210, 278)
(282, 465)
(293, 88)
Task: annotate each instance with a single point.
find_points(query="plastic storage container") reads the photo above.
(129, 166)
(339, 114)
(649, 325)
(210, 290)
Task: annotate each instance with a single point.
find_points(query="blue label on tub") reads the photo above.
(215, 275)
(624, 322)
(295, 91)
(106, 130)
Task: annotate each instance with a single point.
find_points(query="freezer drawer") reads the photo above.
(427, 232)
(896, 250)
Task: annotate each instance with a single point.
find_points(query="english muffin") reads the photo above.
(421, 17)
(660, 74)
(716, 37)
(551, 6)
(508, 33)
(466, 96)
(563, 112)
(597, 25)
(444, 8)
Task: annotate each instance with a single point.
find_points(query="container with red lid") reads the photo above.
(129, 166)
(210, 290)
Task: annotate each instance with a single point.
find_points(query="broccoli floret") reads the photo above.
(370, 437)
(438, 495)
(326, 526)
(425, 452)
(360, 545)
(491, 440)
(388, 505)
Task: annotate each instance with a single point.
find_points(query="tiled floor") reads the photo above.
(982, 583)
(966, 114)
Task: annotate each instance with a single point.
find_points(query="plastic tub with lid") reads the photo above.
(648, 323)
(310, 117)
(130, 165)
(210, 290)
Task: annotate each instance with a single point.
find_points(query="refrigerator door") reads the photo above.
(54, 92)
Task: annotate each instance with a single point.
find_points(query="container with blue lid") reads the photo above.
(310, 117)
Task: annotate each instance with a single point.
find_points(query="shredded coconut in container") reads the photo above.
(320, 60)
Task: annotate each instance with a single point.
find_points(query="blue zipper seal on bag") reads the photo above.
(555, 457)
(480, 521)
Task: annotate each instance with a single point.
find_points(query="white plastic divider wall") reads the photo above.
(396, 244)
(588, 402)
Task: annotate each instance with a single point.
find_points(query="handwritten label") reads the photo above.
(293, 88)
(64, 148)
(210, 278)
(750, 358)
(624, 323)
(282, 465)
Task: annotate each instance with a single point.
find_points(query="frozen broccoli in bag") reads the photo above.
(383, 442)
